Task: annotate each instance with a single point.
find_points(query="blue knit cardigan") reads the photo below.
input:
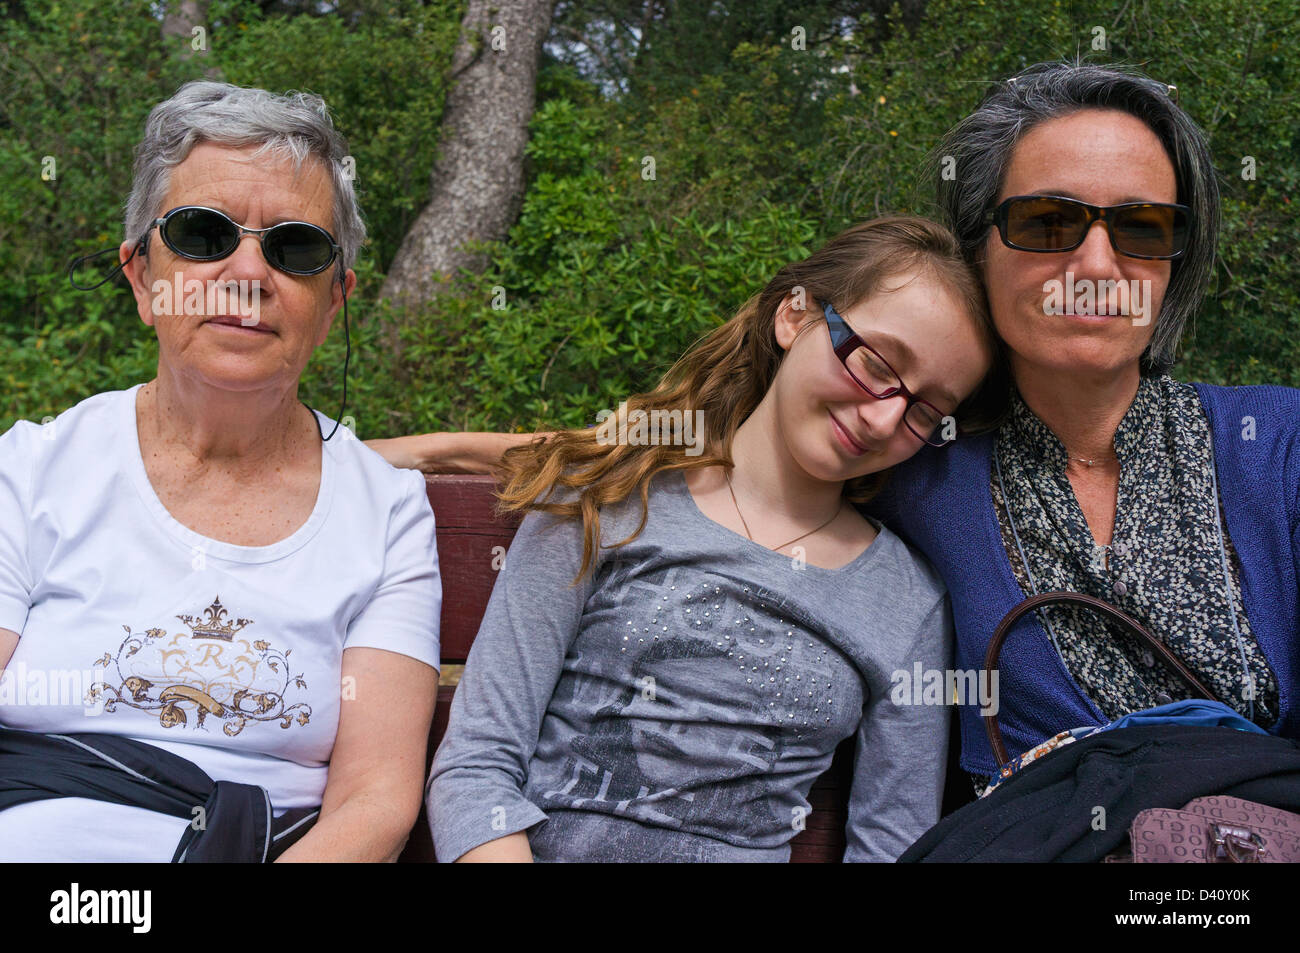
(939, 501)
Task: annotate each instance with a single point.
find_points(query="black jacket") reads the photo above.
(1076, 803)
(235, 823)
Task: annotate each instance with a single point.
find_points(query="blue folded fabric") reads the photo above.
(1192, 711)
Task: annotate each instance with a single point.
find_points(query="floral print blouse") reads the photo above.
(1165, 565)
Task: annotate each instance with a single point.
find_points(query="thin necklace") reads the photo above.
(1092, 463)
(783, 545)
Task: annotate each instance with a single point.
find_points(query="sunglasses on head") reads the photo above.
(204, 234)
(1053, 223)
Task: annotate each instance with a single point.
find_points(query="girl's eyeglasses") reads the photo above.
(204, 234)
(875, 376)
(1053, 223)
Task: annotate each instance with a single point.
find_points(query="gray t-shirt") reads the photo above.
(679, 703)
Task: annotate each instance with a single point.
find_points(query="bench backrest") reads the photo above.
(468, 531)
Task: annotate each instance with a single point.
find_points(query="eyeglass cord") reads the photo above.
(347, 356)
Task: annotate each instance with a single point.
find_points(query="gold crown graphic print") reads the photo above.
(212, 626)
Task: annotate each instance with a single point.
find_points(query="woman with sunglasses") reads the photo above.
(1176, 503)
(679, 640)
(1087, 199)
(246, 609)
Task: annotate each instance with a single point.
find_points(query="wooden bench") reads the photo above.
(468, 530)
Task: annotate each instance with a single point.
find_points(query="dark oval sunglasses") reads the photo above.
(1053, 223)
(204, 234)
(874, 375)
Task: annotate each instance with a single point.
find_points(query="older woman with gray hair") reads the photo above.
(1088, 200)
(218, 628)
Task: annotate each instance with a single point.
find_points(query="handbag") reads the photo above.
(1127, 622)
(1213, 830)
(1080, 798)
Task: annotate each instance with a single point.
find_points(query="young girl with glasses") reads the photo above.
(681, 636)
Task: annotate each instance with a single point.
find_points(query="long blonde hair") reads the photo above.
(727, 372)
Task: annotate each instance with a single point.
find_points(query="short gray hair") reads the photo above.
(293, 126)
(982, 144)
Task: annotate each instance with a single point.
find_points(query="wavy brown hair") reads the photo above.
(727, 372)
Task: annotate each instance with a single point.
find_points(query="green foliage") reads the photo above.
(79, 79)
(383, 79)
(67, 67)
(600, 294)
(760, 152)
(1236, 66)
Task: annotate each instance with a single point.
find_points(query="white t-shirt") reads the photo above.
(229, 656)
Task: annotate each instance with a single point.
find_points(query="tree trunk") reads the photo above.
(478, 178)
(179, 20)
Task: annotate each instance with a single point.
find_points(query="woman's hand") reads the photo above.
(451, 451)
(377, 770)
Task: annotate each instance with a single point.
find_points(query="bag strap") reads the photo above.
(1127, 622)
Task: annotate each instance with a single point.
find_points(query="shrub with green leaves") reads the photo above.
(662, 190)
(79, 81)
